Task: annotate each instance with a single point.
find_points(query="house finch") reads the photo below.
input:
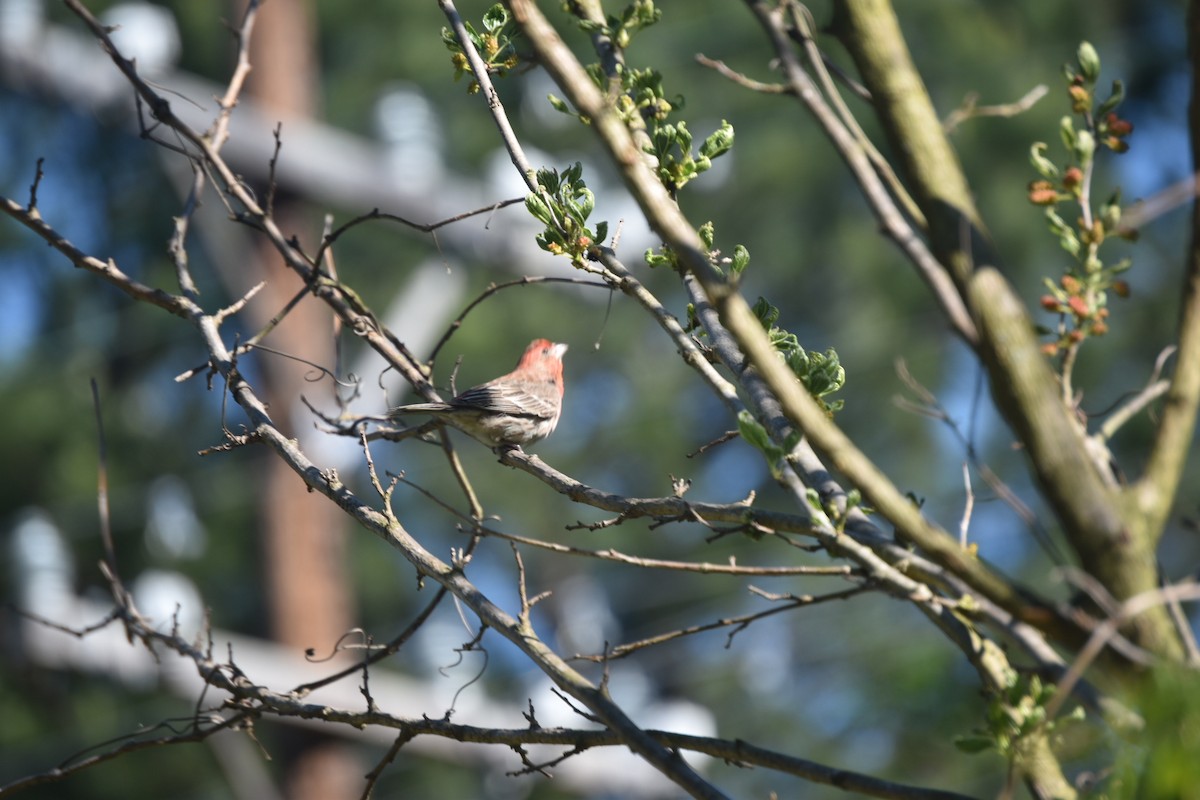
(514, 409)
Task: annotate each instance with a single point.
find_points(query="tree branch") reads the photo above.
(1113, 545)
(1154, 493)
(735, 314)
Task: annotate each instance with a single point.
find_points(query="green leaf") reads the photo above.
(563, 206)
(1085, 146)
(495, 18)
(551, 241)
(718, 142)
(664, 258)
(585, 201)
(825, 374)
(538, 208)
(756, 435)
(821, 373)
(1066, 235)
(1066, 129)
(798, 361)
(1044, 166)
(753, 432)
(741, 260)
(683, 137)
(640, 14)
(1114, 99)
(1056, 223)
(1089, 62)
(766, 313)
(559, 104)
(1120, 266)
(547, 178)
(1110, 212)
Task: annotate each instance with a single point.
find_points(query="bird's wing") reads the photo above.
(506, 400)
(420, 408)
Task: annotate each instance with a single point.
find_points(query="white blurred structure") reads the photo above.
(145, 33)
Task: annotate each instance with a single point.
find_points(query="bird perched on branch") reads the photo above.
(512, 410)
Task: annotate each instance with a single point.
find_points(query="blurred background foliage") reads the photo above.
(865, 684)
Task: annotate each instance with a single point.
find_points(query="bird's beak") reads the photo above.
(558, 350)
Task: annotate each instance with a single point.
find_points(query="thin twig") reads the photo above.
(1183, 625)
(425, 227)
(970, 107)
(479, 71)
(1154, 389)
(106, 536)
(386, 651)
(320, 370)
(928, 405)
(876, 189)
(493, 288)
(72, 766)
(1153, 207)
(219, 132)
(405, 736)
(238, 304)
(38, 174)
(969, 506)
(803, 28)
(744, 81)
(738, 623)
(1108, 629)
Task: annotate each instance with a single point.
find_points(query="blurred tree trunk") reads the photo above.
(303, 536)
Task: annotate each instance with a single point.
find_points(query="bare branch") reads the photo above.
(1154, 389)
(219, 132)
(970, 107)
(739, 623)
(427, 227)
(480, 72)
(969, 506)
(108, 271)
(110, 553)
(931, 407)
(1150, 209)
(492, 289)
(874, 176)
(671, 508)
(742, 80)
(33, 188)
(1108, 629)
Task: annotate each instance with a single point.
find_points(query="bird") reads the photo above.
(515, 409)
